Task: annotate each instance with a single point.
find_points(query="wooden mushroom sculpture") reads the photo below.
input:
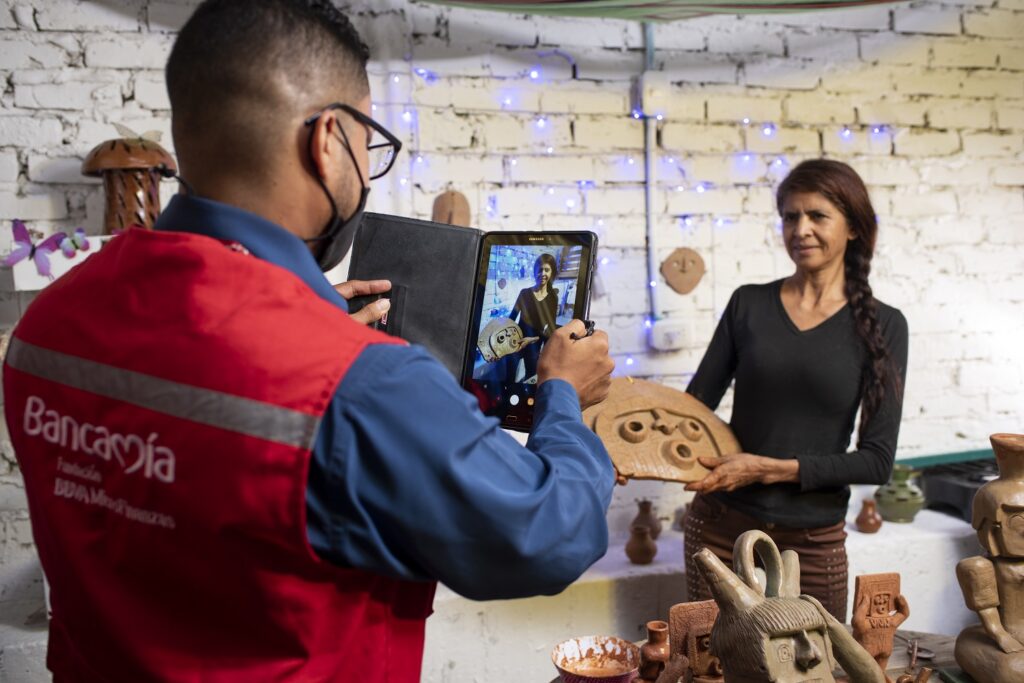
(131, 170)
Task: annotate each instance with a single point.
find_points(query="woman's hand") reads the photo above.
(743, 469)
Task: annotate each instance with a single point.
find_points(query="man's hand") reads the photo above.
(584, 363)
(743, 469)
(370, 313)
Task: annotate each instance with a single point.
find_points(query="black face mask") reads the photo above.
(336, 239)
(337, 236)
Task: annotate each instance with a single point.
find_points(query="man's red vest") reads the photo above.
(163, 399)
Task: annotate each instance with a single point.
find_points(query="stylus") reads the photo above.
(590, 330)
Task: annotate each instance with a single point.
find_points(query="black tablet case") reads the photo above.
(432, 268)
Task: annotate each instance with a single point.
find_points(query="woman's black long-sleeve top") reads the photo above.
(796, 396)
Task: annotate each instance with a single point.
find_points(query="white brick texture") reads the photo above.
(925, 100)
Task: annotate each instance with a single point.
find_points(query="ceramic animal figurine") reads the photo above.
(683, 270)
(868, 520)
(641, 548)
(689, 628)
(772, 634)
(656, 432)
(655, 653)
(645, 515)
(878, 610)
(993, 585)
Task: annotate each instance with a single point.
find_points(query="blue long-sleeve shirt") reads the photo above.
(409, 479)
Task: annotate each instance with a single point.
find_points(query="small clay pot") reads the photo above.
(641, 548)
(655, 652)
(869, 521)
(900, 499)
(645, 516)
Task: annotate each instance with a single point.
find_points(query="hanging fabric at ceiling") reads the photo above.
(654, 10)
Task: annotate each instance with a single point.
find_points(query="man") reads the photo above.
(230, 478)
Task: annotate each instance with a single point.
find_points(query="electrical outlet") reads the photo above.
(669, 335)
(655, 92)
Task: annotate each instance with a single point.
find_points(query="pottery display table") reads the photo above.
(469, 640)
(941, 646)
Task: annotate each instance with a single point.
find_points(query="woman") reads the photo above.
(805, 352)
(536, 309)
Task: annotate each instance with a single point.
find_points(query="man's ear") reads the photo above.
(323, 147)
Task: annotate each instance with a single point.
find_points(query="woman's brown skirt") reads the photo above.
(823, 563)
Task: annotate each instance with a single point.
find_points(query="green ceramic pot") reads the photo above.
(900, 499)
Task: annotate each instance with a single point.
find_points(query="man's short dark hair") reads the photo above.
(246, 62)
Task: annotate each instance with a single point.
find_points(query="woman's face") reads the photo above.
(544, 274)
(814, 230)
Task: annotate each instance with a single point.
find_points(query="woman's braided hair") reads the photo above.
(841, 185)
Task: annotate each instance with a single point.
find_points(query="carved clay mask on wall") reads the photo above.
(682, 270)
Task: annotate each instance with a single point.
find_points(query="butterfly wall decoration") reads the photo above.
(74, 243)
(25, 248)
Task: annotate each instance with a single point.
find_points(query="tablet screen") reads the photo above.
(528, 285)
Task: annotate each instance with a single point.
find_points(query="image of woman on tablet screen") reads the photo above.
(536, 309)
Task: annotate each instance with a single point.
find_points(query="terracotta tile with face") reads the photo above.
(814, 231)
(655, 432)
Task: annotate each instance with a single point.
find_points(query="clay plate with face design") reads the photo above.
(655, 432)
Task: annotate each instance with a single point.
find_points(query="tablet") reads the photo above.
(528, 285)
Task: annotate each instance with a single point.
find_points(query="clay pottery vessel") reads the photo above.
(641, 548)
(645, 516)
(596, 659)
(900, 499)
(869, 521)
(654, 654)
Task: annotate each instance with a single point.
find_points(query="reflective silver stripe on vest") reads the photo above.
(205, 406)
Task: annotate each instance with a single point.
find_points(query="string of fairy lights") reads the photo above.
(624, 168)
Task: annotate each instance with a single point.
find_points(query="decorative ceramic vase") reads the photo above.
(655, 653)
(900, 499)
(645, 516)
(869, 521)
(641, 548)
(990, 583)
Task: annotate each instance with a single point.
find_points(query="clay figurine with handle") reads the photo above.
(772, 634)
(993, 585)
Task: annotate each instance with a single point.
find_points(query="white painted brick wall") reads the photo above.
(945, 80)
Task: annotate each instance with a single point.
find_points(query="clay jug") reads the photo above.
(641, 548)
(645, 516)
(900, 499)
(655, 653)
(869, 521)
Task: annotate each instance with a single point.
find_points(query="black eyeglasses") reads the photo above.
(382, 146)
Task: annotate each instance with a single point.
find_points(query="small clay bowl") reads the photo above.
(597, 659)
